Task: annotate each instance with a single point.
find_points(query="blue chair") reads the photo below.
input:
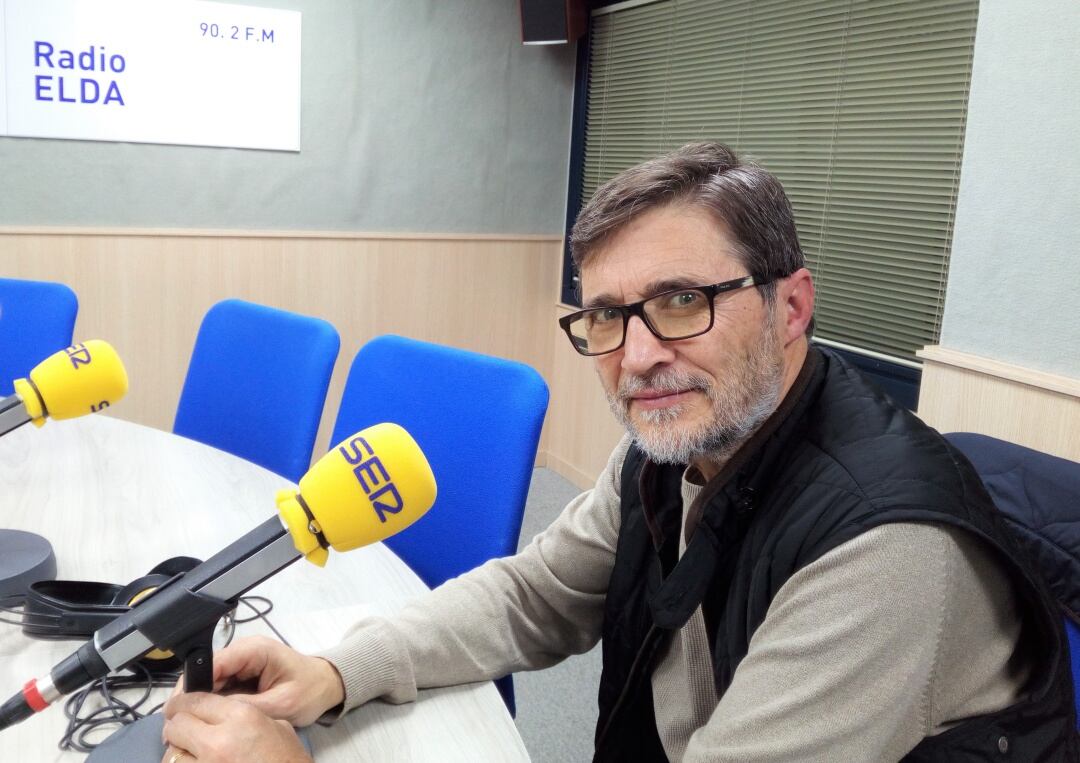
(477, 419)
(37, 318)
(256, 384)
(1021, 481)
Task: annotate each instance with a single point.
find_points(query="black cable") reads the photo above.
(13, 711)
(114, 711)
(262, 615)
(118, 712)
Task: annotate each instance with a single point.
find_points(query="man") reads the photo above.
(782, 564)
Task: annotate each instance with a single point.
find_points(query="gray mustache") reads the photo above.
(663, 381)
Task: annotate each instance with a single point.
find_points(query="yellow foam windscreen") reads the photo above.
(84, 378)
(368, 487)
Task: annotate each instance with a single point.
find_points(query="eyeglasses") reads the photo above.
(669, 315)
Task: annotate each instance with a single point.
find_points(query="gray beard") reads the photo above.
(750, 394)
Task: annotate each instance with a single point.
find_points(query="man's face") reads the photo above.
(696, 399)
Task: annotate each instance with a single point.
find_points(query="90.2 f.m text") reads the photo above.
(238, 33)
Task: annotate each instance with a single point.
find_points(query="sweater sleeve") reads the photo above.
(523, 612)
(891, 637)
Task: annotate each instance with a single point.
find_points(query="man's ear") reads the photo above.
(795, 295)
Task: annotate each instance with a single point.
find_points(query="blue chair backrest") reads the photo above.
(256, 384)
(1072, 630)
(37, 318)
(477, 419)
(1024, 483)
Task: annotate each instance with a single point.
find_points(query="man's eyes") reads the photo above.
(606, 314)
(681, 300)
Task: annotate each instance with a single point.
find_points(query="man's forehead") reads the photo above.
(616, 274)
(671, 242)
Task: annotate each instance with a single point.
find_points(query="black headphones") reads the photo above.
(75, 609)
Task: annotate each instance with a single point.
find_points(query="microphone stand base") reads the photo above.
(25, 558)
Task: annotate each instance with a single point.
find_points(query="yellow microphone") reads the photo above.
(84, 378)
(368, 487)
(350, 498)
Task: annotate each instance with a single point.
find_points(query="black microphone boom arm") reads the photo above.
(179, 617)
(12, 414)
(184, 605)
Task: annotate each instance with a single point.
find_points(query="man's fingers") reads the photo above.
(276, 703)
(179, 688)
(187, 732)
(243, 660)
(208, 708)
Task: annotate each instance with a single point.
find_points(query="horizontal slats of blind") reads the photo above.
(858, 106)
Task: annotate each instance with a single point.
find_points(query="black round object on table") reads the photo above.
(25, 558)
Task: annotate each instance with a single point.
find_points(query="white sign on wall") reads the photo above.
(174, 71)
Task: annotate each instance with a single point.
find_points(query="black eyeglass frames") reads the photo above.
(669, 315)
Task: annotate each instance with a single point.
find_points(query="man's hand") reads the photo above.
(279, 681)
(214, 729)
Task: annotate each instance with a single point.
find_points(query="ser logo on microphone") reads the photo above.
(371, 473)
(79, 355)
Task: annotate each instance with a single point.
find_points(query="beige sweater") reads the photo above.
(893, 636)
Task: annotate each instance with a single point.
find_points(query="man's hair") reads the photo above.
(745, 200)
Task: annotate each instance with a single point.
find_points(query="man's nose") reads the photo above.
(642, 349)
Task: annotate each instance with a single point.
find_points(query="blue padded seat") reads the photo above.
(256, 384)
(37, 318)
(477, 419)
(1033, 489)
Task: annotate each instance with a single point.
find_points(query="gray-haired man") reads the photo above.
(781, 563)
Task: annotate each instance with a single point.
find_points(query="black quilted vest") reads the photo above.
(835, 460)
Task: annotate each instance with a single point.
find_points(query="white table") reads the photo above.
(115, 498)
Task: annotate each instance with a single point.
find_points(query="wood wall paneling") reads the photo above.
(968, 393)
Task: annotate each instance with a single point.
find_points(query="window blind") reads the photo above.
(858, 106)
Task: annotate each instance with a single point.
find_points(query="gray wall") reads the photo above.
(1014, 277)
(417, 115)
